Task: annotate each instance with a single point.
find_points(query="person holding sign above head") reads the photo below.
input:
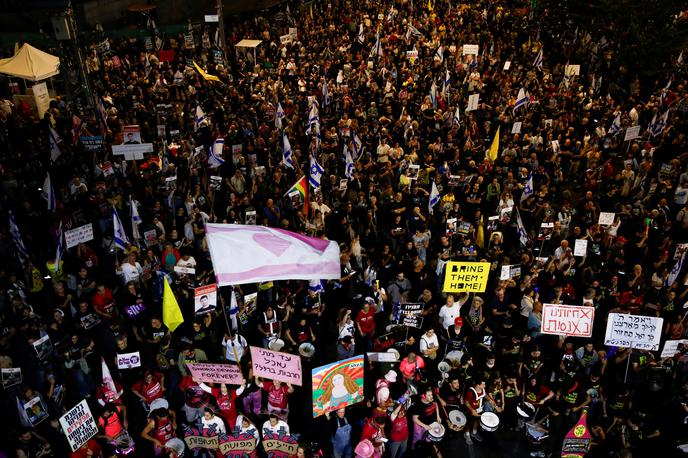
(278, 396)
(225, 398)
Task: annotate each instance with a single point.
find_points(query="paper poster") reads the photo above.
(606, 218)
(81, 234)
(567, 320)
(413, 171)
(129, 360)
(473, 101)
(251, 217)
(78, 425)
(216, 373)
(150, 237)
(470, 277)
(205, 299)
(250, 302)
(42, 98)
(293, 31)
(215, 182)
(211, 17)
(381, 357)
(36, 411)
(471, 49)
(189, 40)
(185, 270)
(671, 347)
(280, 445)
(286, 39)
(633, 331)
(131, 143)
(411, 309)
(275, 365)
(572, 70)
(338, 384)
(412, 321)
(516, 128)
(43, 347)
(580, 248)
(632, 133)
(94, 143)
(577, 441)
(507, 65)
(11, 376)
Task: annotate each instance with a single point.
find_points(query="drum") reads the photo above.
(435, 433)
(489, 422)
(535, 433)
(123, 443)
(176, 445)
(525, 410)
(457, 420)
(276, 344)
(306, 349)
(454, 357)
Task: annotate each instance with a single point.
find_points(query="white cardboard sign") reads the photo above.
(633, 331)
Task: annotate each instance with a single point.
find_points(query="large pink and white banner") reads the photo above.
(249, 254)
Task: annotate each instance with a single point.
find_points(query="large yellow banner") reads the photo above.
(468, 277)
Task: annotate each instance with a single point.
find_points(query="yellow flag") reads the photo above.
(429, 6)
(171, 314)
(311, 10)
(206, 76)
(494, 149)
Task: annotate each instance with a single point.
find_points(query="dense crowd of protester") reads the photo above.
(404, 119)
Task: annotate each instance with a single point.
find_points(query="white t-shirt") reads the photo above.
(449, 314)
(217, 422)
(276, 429)
(427, 342)
(131, 273)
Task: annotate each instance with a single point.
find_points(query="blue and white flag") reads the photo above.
(200, 117)
(49, 193)
(377, 47)
(148, 66)
(22, 254)
(316, 173)
(445, 84)
(521, 99)
(615, 128)
(135, 220)
(434, 197)
(349, 163)
(121, 238)
(313, 119)
(279, 116)
(528, 189)
(522, 234)
(287, 153)
(317, 286)
(325, 93)
(361, 35)
(433, 94)
(439, 54)
(58, 254)
(215, 157)
(412, 31)
(54, 145)
(676, 270)
(658, 127)
(357, 146)
(457, 117)
(538, 60)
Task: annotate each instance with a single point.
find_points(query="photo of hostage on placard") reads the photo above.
(205, 299)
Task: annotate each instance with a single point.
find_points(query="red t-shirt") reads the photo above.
(104, 303)
(151, 391)
(366, 321)
(400, 430)
(278, 398)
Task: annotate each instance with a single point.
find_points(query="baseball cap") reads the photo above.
(458, 321)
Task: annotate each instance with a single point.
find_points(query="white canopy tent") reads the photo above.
(251, 44)
(30, 64)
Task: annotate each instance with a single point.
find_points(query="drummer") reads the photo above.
(423, 414)
(450, 395)
(473, 400)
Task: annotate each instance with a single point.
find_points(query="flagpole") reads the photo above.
(229, 330)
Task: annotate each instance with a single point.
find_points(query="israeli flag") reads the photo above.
(325, 93)
(349, 167)
(361, 35)
(55, 139)
(521, 99)
(377, 47)
(676, 270)
(121, 238)
(316, 173)
(538, 60)
(658, 128)
(22, 253)
(357, 145)
(287, 153)
(215, 157)
(457, 117)
(522, 234)
(317, 286)
(433, 94)
(200, 117)
(313, 118)
(49, 193)
(446, 83)
(58, 254)
(440, 54)
(279, 116)
(434, 197)
(528, 190)
(135, 219)
(616, 126)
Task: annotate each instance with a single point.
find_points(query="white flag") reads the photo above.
(121, 238)
(528, 189)
(135, 220)
(279, 115)
(200, 117)
(434, 197)
(287, 153)
(349, 167)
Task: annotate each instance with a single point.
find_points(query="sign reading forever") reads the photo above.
(466, 276)
(567, 320)
(78, 425)
(633, 331)
(216, 373)
(275, 365)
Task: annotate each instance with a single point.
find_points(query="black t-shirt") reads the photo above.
(426, 412)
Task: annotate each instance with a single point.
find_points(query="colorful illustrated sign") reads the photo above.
(470, 277)
(567, 320)
(337, 385)
(577, 440)
(78, 425)
(633, 331)
(275, 365)
(228, 445)
(216, 373)
(279, 445)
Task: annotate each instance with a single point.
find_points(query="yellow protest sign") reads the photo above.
(470, 277)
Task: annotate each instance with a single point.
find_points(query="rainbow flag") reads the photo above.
(301, 186)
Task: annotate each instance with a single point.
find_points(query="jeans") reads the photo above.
(397, 449)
